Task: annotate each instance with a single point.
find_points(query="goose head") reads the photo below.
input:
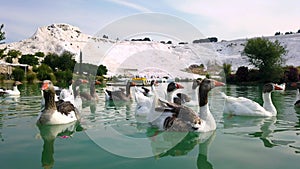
(196, 83)
(172, 86)
(181, 98)
(48, 94)
(204, 87)
(47, 86)
(270, 87)
(16, 83)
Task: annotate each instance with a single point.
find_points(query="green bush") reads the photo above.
(2, 78)
(31, 76)
(18, 74)
(63, 77)
(44, 72)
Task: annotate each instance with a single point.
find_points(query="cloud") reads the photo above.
(131, 5)
(234, 17)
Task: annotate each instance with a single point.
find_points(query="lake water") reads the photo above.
(110, 136)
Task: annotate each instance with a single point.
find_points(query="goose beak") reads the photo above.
(97, 82)
(45, 86)
(83, 81)
(276, 87)
(179, 86)
(217, 83)
(18, 82)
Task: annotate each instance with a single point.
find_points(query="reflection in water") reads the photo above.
(244, 123)
(1, 125)
(244, 126)
(167, 143)
(49, 134)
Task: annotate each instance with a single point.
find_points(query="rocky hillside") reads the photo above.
(139, 55)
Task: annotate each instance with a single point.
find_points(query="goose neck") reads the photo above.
(15, 88)
(170, 96)
(268, 104)
(49, 97)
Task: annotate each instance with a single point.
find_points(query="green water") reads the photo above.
(109, 136)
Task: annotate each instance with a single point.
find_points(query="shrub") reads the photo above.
(18, 74)
(242, 74)
(44, 72)
(31, 76)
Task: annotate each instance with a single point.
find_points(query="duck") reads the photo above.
(148, 92)
(92, 95)
(14, 92)
(144, 103)
(181, 98)
(119, 95)
(180, 118)
(71, 94)
(297, 102)
(242, 106)
(67, 94)
(60, 112)
(170, 92)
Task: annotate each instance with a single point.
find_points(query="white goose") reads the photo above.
(148, 92)
(245, 107)
(171, 88)
(72, 94)
(144, 103)
(60, 112)
(181, 118)
(14, 92)
(67, 94)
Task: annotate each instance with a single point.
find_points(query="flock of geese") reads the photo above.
(168, 113)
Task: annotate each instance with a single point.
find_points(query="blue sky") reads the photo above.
(228, 20)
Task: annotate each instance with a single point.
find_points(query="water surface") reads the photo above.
(238, 142)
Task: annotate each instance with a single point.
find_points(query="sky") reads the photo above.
(224, 19)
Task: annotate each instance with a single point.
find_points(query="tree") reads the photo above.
(8, 59)
(102, 70)
(2, 34)
(242, 74)
(66, 61)
(39, 54)
(18, 74)
(2, 37)
(227, 70)
(292, 74)
(266, 56)
(63, 62)
(29, 59)
(14, 53)
(45, 73)
(51, 60)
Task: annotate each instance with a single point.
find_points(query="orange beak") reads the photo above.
(97, 82)
(45, 86)
(18, 83)
(179, 86)
(83, 81)
(294, 84)
(277, 87)
(217, 83)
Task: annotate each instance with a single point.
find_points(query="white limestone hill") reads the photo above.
(140, 55)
